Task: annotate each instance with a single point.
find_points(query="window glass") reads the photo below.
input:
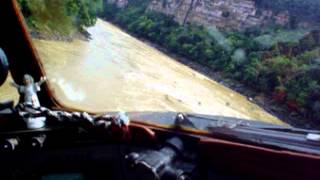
(8, 92)
(248, 59)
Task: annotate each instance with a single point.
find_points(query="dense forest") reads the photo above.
(282, 62)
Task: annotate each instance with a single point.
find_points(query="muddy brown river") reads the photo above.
(115, 71)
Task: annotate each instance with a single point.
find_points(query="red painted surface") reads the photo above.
(257, 161)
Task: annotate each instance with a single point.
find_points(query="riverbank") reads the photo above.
(84, 36)
(261, 99)
(60, 20)
(286, 69)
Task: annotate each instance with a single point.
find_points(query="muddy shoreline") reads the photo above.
(84, 36)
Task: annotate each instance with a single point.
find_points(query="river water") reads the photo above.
(115, 71)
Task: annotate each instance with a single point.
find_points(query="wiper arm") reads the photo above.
(292, 130)
(266, 137)
(263, 134)
(252, 124)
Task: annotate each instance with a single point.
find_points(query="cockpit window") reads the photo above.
(246, 59)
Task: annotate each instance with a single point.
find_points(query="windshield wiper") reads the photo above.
(269, 135)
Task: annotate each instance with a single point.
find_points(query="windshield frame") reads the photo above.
(24, 58)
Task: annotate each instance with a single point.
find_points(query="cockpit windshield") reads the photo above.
(245, 59)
